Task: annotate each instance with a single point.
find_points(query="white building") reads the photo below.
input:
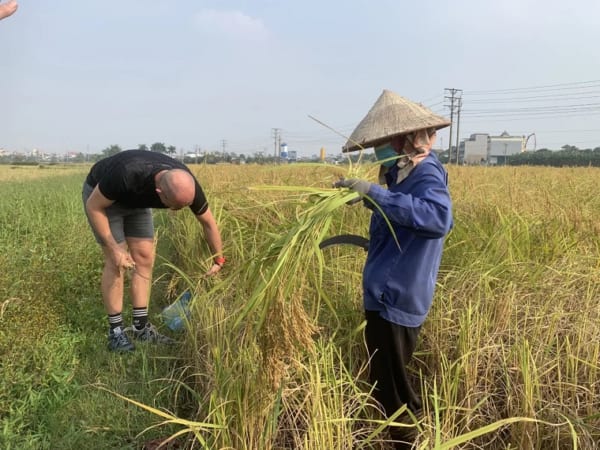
(483, 148)
(475, 149)
(500, 147)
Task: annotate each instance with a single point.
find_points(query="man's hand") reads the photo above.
(8, 9)
(355, 184)
(213, 270)
(122, 259)
(216, 267)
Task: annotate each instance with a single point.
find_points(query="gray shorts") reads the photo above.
(124, 222)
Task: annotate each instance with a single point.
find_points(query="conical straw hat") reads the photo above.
(390, 116)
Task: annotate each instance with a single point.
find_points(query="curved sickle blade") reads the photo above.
(350, 239)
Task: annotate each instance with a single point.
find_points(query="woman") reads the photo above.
(409, 222)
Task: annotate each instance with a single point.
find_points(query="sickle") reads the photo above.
(351, 239)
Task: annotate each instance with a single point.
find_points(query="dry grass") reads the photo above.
(512, 340)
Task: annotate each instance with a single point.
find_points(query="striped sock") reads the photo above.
(140, 318)
(115, 320)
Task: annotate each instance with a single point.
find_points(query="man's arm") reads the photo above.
(213, 238)
(96, 208)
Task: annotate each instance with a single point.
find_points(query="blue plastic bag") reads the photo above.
(177, 313)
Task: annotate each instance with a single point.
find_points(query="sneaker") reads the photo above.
(150, 334)
(118, 341)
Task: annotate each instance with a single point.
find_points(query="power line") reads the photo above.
(537, 108)
(510, 118)
(534, 115)
(435, 104)
(538, 98)
(549, 87)
(423, 102)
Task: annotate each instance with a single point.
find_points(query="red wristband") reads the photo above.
(219, 260)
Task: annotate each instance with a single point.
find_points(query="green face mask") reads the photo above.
(385, 153)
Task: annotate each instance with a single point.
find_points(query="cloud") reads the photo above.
(233, 24)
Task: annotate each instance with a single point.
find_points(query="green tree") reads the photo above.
(171, 150)
(80, 157)
(112, 150)
(142, 147)
(568, 148)
(158, 147)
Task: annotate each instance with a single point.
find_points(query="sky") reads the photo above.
(224, 75)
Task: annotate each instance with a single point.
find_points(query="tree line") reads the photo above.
(568, 156)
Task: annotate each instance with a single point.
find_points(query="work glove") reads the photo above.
(355, 184)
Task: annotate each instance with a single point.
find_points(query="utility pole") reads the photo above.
(278, 147)
(454, 94)
(275, 132)
(223, 145)
(459, 106)
(451, 98)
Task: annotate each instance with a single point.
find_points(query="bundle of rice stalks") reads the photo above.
(286, 278)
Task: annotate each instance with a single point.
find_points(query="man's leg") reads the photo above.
(142, 251)
(112, 284)
(112, 297)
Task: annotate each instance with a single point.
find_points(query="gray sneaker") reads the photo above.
(118, 341)
(150, 334)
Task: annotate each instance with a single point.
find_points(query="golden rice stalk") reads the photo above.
(281, 283)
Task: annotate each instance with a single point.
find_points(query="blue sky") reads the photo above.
(82, 75)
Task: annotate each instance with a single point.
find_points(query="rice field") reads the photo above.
(273, 357)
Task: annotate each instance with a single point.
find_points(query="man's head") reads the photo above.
(176, 188)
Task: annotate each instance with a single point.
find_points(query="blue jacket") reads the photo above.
(400, 273)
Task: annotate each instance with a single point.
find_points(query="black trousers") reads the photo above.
(390, 348)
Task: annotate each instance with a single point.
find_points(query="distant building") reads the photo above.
(475, 149)
(283, 151)
(500, 147)
(191, 157)
(481, 148)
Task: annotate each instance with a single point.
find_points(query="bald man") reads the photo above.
(8, 8)
(118, 195)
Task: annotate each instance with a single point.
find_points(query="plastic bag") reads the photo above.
(177, 313)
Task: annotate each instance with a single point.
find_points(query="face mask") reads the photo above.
(386, 152)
